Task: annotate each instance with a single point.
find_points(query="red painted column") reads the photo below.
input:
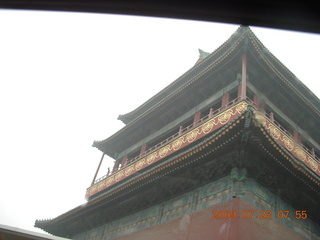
(312, 152)
(196, 118)
(242, 91)
(124, 161)
(211, 112)
(116, 165)
(256, 101)
(143, 149)
(180, 130)
(296, 137)
(271, 117)
(239, 91)
(225, 99)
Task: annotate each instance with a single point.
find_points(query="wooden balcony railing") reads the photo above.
(175, 135)
(285, 132)
(216, 119)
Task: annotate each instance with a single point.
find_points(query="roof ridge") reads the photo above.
(285, 68)
(280, 73)
(240, 30)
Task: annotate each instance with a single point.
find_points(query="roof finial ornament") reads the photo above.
(203, 54)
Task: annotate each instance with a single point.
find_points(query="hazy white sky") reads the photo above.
(64, 79)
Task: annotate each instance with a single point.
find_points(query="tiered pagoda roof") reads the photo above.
(266, 136)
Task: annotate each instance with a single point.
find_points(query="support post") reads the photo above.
(196, 118)
(243, 86)
(116, 166)
(271, 117)
(95, 175)
(180, 130)
(211, 112)
(312, 152)
(225, 100)
(296, 137)
(256, 101)
(124, 161)
(143, 149)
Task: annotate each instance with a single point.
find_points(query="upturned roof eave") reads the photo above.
(172, 88)
(293, 83)
(126, 118)
(269, 60)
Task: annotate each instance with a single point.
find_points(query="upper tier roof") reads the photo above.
(241, 31)
(160, 97)
(243, 40)
(128, 117)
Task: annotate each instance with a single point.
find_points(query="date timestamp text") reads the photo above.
(259, 215)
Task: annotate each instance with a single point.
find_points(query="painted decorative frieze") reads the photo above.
(288, 143)
(183, 141)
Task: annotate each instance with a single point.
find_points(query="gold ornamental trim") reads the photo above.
(139, 164)
(184, 140)
(288, 143)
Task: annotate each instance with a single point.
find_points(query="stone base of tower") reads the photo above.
(222, 209)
